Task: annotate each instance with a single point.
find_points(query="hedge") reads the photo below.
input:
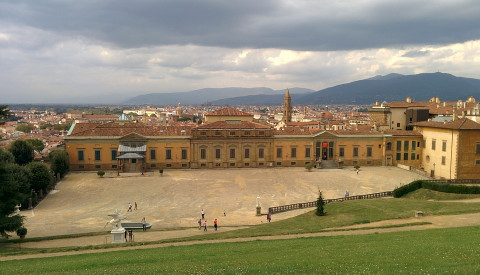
(441, 187)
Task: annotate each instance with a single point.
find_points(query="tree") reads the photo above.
(25, 127)
(59, 162)
(184, 119)
(9, 198)
(41, 178)
(36, 143)
(21, 151)
(4, 113)
(6, 156)
(320, 205)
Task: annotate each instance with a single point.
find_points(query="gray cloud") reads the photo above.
(416, 53)
(299, 25)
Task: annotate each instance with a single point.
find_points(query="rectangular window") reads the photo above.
(232, 133)
(444, 159)
(355, 151)
(114, 154)
(261, 133)
(369, 151)
(134, 160)
(477, 162)
(389, 146)
(80, 156)
(279, 152)
(261, 153)
(217, 153)
(399, 145)
(168, 154)
(424, 142)
(405, 145)
(341, 152)
(247, 133)
(247, 153)
(232, 153)
(307, 152)
(478, 148)
(405, 156)
(399, 156)
(203, 153)
(434, 142)
(414, 144)
(444, 145)
(153, 154)
(203, 133)
(413, 156)
(97, 154)
(184, 153)
(398, 124)
(293, 152)
(217, 133)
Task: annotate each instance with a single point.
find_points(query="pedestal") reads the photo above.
(259, 211)
(118, 236)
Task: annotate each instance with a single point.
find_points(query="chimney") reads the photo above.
(409, 99)
(455, 116)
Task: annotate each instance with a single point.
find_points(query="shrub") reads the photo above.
(22, 231)
(308, 166)
(160, 171)
(100, 173)
(320, 205)
(41, 177)
(59, 162)
(405, 189)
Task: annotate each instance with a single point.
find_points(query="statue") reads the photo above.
(115, 222)
(258, 201)
(17, 209)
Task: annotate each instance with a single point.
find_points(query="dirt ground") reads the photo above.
(82, 201)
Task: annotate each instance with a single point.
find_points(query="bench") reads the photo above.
(418, 214)
(135, 225)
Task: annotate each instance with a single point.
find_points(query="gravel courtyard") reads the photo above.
(82, 201)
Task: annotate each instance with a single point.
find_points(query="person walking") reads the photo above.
(215, 224)
(269, 217)
(224, 212)
(129, 207)
(358, 170)
(205, 225)
(203, 214)
(346, 194)
(199, 224)
(136, 208)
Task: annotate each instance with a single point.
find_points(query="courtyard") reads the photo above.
(82, 201)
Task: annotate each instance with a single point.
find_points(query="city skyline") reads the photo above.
(86, 52)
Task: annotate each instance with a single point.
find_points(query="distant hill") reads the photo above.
(395, 87)
(207, 95)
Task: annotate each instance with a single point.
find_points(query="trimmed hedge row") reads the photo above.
(441, 187)
(407, 188)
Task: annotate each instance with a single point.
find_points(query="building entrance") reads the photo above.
(324, 150)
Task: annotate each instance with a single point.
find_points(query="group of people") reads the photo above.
(215, 222)
(130, 207)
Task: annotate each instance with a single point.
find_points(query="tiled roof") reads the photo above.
(228, 112)
(401, 133)
(297, 131)
(120, 129)
(460, 124)
(236, 125)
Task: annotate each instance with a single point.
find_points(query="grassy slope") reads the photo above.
(429, 251)
(426, 194)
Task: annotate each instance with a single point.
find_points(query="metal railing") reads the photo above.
(301, 205)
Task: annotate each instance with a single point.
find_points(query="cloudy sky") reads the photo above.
(94, 51)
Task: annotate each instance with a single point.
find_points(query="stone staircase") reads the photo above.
(329, 164)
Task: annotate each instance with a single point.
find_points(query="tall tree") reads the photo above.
(41, 178)
(320, 205)
(21, 151)
(10, 196)
(36, 143)
(4, 111)
(59, 162)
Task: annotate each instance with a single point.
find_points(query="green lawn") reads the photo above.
(430, 251)
(427, 194)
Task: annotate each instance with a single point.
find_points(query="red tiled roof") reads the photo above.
(460, 124)
(229, 125)
(401, 133)
(119, 129)
(228, 112)
(298, 131)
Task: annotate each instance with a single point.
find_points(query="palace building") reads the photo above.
(232, 139)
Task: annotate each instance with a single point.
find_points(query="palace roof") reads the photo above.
(228, 112)
(460, 124)
(120, 129)
(232, 125)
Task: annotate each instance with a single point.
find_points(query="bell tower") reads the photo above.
(287, 108)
